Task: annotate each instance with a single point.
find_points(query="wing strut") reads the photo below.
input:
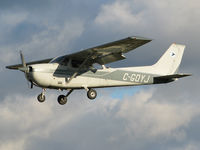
(75, 73)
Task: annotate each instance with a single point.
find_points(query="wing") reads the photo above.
(29, 63)
(109, 52)
(102, 54)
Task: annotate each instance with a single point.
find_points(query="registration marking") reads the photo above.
(138, 78)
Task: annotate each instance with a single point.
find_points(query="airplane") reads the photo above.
(78, 71)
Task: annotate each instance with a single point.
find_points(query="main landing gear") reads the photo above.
(91, 94)
(62, 99)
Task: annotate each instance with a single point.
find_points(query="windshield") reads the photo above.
(62, 60)
(57, 59)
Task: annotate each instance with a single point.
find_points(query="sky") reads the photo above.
(157, 117)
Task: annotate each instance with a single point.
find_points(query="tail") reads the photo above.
(169, 63)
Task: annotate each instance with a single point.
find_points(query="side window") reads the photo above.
(65, 61)
(76, 63)
(97, 66)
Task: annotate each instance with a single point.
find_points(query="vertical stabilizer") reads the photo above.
(170, 61)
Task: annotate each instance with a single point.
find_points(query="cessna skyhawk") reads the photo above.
(77, 70)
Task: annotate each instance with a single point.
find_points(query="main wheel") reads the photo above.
(41, 98)
(92, 94)
(62, 99)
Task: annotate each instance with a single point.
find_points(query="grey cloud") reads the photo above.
(165, 16)
(23, 4)
(105, 123)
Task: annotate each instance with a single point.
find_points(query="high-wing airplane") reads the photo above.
(77, 70)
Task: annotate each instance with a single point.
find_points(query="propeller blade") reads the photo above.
(22, 59)
(24, 69)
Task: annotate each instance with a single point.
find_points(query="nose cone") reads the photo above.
(40, 75)
(28, 73)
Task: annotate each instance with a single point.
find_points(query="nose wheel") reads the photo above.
(41, 97)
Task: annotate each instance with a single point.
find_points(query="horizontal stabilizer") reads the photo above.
(173, 76)
(169, 78)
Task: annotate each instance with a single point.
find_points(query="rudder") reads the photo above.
(171, 60)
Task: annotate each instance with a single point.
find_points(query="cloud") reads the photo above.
(51, 41)
(24, 5)
(12, 18)
(189, 146)
(55, 38)
(118, 13)
(25, 123)
(23, 118)
(146, 117)
(166, 17)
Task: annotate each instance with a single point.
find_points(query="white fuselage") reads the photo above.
(53, 75)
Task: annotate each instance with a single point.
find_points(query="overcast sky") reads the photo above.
(157, 117)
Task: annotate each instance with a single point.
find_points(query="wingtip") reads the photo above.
(140, 38)
(189, 74)
(181, 45)
(186, 74)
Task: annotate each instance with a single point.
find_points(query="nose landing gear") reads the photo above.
(41, 97)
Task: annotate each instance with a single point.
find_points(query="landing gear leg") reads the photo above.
(62, 99)
(41, 97)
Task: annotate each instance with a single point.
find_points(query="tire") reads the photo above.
(91, 94)
(41, 98)
(62, 99)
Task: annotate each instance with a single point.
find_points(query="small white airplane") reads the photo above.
(77, 70)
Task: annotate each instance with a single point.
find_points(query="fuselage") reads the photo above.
(55, 76)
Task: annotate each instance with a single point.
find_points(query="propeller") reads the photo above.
(25, 69)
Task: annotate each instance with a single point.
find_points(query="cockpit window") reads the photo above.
(97, 66)
(76, 63)
(65, 61)
(62, 60)
(57, 59)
